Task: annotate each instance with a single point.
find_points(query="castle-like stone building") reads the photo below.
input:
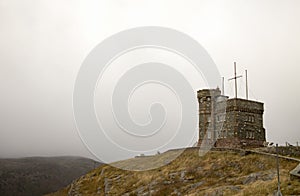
(225, 122)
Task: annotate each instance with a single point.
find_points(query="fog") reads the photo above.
(43, 43)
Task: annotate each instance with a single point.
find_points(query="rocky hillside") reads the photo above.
(215, 173)
(38, 176)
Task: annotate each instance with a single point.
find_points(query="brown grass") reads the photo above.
(218, 171)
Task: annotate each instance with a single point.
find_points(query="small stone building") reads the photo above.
(224, 122)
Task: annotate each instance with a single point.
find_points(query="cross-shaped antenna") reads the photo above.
(235, 79)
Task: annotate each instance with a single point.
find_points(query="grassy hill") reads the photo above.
(215, 173)
(40, 175)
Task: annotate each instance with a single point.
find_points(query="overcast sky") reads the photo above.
(43, 43)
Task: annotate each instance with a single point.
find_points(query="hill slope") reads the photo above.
(216, 173)
(40, 175)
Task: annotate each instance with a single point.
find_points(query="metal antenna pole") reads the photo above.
(223, 91)
(235, 79)
(246, 84)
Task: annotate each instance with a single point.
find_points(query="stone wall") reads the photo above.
(236, 142)
(233, 122)
(292, 151)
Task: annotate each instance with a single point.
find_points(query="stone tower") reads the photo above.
(208, 98)
(227, 122)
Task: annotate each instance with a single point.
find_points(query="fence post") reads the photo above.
(278, 178)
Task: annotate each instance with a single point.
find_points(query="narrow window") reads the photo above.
(209, 135)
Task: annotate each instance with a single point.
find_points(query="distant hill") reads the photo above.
(40, 175)
(215, 173)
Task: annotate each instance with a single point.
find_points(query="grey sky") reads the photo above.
(43, 43)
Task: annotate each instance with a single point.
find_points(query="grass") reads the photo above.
(215, 172)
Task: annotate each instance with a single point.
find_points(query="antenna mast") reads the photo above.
(223, 91)
(235, 79)
(246, 84)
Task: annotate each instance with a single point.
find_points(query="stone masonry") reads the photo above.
(224, 122)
